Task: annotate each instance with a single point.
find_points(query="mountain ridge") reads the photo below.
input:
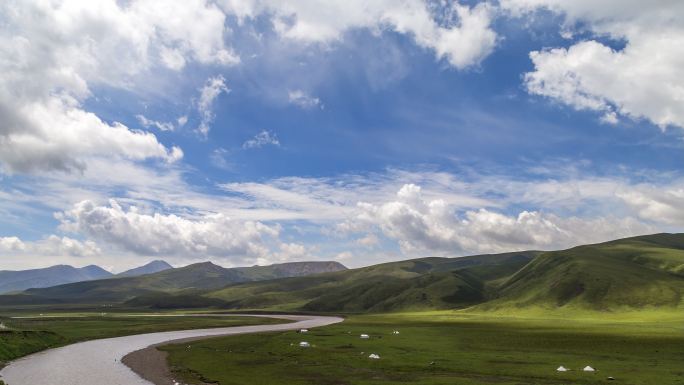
(17, 280)
(637, 273)
(198, 276)
(148, 268)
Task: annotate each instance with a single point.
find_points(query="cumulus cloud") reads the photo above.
(303, 100)
(168, 234)
(264, 138)
(288, 252)
(50, 246)
(54, 52)
(433, 225)
(58, 135)
(642, 80)
(655, 203)
(213, 87)
(11, 244)
(456, 33)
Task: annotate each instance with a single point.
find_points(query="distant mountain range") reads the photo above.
(136, 282)
(55, 275)
(637, 273)
(12, 281)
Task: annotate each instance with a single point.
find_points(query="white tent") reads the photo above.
(374, 356)
(562, 369)
(304, 344)
(589, 369)
(365, 336)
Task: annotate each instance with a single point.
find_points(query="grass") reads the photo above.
(29, 335)
(445, 348)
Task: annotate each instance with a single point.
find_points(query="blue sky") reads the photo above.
(277, 131)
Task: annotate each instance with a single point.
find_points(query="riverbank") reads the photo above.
(150, 364)
(27, 334)
(99, 361)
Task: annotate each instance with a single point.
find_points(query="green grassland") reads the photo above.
(28, 335)
(447, 348)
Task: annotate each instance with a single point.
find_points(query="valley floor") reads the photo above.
(446, 348)
(35, 332)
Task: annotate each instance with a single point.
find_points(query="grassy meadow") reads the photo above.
(447, 348)
(24, 336)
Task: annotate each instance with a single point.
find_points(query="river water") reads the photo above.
(98, 362)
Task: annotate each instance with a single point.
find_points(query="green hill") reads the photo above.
(426, 283)
(192, 278)
(638, 273)
(628, 274)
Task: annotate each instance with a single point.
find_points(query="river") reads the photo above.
(98, 362)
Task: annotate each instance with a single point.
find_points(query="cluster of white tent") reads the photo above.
(372, 356)
(586, 369)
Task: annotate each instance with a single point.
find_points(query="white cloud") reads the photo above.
(213, 87)
(168, 234)
(50, 246)
(421, 225)
(147, 123)
(303, 100)
(457, 33)
(288, 252)
(370, 240)
(655, 203)
(53, 53)
(449, 215)
(219, 158)
(58, 135)
(645, 79)
(264, 138)
(55, 245)
(11, 244)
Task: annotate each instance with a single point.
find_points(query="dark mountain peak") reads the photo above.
(149, 268)
(91, 272)
(208, 265)
(160, 262)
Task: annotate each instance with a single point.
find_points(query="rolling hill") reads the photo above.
(638, 273)
(426, 283)
(192, 278)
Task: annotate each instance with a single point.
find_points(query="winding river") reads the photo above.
(98, 362)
